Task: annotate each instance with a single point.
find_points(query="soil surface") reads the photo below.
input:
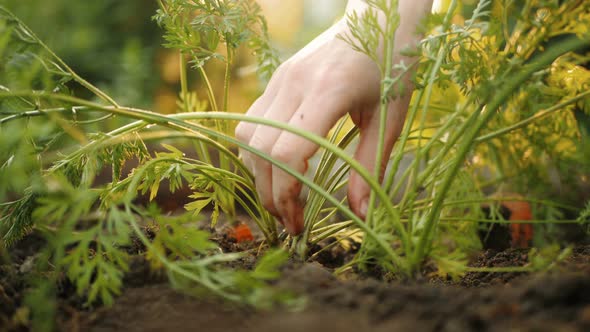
(555, 301)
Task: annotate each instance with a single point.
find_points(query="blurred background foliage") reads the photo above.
(117, 46)
(111, 43)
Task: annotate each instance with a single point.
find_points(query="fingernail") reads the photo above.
(364, 208)
(290, 227)
(293, 227)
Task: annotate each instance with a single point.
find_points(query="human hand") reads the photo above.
(312, 90)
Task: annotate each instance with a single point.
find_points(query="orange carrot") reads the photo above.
(241, 233)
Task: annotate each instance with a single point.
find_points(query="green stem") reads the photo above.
(392, 23)
(226, 79)
(210, 94)
(48, 111)
(183, 80)
(125, 111)
(419, 152)
(209, 88)
(200, 148)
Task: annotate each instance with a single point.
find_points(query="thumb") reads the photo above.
(366, 151)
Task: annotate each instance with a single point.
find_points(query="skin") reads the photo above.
(312, 90)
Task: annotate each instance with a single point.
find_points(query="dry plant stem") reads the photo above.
(485, 113)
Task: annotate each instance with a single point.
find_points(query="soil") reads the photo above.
(555, 301)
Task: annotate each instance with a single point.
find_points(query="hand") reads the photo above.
(311, 91)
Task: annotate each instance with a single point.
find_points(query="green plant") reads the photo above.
(491, 67)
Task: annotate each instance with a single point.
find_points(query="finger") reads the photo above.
(245, 130)
(264, 138)
(366, 152)
(294, 151)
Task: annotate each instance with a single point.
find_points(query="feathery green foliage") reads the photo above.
(198, 27)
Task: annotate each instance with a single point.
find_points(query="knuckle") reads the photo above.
(282, 152)
(259, 142)
(325, 79)
(295, 73)
(279, 75)
(244, 131)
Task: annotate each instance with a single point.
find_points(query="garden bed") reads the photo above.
(555, 301)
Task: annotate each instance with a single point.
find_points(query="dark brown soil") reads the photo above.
(554, 301)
